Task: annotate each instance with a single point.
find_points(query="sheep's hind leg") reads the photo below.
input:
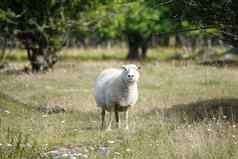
(103, 118)
(117, 118)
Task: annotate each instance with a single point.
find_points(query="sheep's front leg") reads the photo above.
(110, 119)
(117, 118)
(103, 118)
(127, 116)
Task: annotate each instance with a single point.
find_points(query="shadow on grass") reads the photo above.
(212, 109)
(8, 100)
(16, 71)
(219, 63)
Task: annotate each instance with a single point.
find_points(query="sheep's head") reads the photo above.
(130, 73)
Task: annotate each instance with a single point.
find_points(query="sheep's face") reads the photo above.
(130, 73)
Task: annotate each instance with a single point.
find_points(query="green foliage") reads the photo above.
(41, 26)
(220, 15)
(134, 21)
(117, 19)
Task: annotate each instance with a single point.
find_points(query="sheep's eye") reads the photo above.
(126, 70)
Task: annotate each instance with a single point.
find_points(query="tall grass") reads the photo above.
(16, 145)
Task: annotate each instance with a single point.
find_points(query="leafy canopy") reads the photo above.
(118, 18)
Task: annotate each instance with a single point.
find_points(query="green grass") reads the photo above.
(115, 53)
(97, 54)
(184, 111)
(16, 55)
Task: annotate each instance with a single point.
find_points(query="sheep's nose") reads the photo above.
(130, 76)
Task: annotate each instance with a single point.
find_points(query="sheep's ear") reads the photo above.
(124, 67)
(138, 67)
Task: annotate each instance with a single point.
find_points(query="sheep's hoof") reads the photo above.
(118, 126)
(108, 129)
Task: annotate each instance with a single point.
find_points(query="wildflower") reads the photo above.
(209, 129)
(111, 141)
(235, 143)
(0, 144)
(85, 156)
(28, 145)
(9, 145)
(233, 136)
(234, 126)
(117, 153)
(7, 112)
(128, 150)
(65, 155)
(44, 116)
(91, 148)
(224, 116)
(62, 122)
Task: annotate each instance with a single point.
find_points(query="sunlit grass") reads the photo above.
(156, 129)
(113, 53)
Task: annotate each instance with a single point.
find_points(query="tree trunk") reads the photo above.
(36, 59)
(137, 45)
(144, 49)
(133, 52)
(41, 59)
(3, 50)
(40, 54)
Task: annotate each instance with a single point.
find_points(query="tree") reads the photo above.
(41, 26)
(135, 21)
(219, 14)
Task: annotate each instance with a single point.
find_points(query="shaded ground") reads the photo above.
(213, 109)
(224, 108)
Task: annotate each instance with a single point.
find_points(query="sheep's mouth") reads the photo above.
(131, 80)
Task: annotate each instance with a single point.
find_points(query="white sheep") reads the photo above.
(116, 91)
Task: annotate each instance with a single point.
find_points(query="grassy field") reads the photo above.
(102, 54)
(184, 111)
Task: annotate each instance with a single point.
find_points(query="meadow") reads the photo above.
(185, 111)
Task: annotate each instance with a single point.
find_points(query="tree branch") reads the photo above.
(185, 30)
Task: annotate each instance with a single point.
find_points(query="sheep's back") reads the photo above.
(103, 84)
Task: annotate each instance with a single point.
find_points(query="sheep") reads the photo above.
(116, 90)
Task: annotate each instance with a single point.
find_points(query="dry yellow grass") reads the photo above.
(184, 110)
